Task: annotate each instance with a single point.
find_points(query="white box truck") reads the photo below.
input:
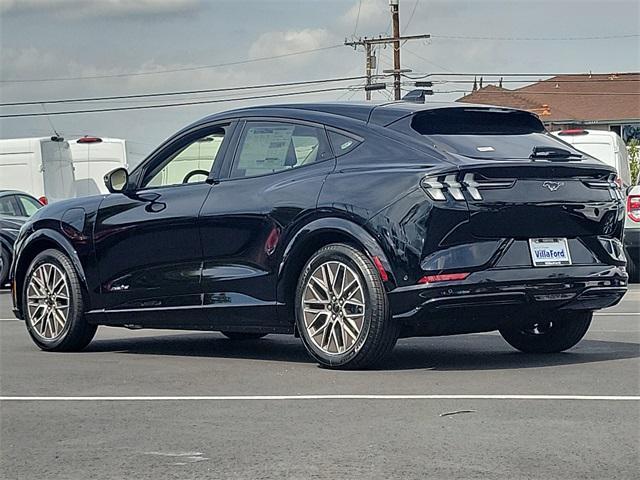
(93, 157)
(40, 166)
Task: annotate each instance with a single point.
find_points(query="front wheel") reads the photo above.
(342, 312)
(556, 332)
(53, 304)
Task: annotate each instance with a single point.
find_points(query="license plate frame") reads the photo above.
(557, 252)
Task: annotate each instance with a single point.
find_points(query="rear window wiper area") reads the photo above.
(553, 154)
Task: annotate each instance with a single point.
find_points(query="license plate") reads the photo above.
(546, 252)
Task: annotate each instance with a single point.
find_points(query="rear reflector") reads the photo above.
(573, 131)
(445, 277)
(43, 200)
(633, 207)
(383, 273)
(89, 140)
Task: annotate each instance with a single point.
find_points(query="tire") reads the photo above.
(348, 327)
(632, 269)
(5, 263)
(563, 332)
(243, 335)
(45, 277)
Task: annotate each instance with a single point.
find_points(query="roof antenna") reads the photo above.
(57, 135)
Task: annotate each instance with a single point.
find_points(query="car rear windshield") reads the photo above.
(484, 132)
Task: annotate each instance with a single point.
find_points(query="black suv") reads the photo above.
(350, 225)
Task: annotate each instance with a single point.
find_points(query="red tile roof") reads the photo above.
(588, 98)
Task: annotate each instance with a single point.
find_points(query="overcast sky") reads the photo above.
(78, 38)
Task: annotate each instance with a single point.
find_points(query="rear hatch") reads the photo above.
(518, 180)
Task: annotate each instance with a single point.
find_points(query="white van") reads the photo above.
(41, 167)
(93, 158)
(606, 146)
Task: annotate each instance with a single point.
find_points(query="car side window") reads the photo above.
(8, 206)
(191, 163)
(29, 205)
(270, 147)
(342, 144)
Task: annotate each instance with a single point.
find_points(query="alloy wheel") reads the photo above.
(333, 307)
(48, 301)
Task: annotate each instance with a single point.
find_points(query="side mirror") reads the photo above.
(117, 180)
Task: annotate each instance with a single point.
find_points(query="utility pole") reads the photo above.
(395, 40)
(370, 66)
(395, 21)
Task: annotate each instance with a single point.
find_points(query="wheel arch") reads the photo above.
(37, 242)
(316, 234)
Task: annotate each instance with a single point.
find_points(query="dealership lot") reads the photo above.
(264, 409)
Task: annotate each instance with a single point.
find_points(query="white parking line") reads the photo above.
(272, 398)
(614, 314)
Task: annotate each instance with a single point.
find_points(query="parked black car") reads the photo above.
(15, 207)
(349, 225)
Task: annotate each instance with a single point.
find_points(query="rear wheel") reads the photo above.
(53, 304)
(556, 332)
(243, 335)
(342, 311)
(5, 261)
(632, 268)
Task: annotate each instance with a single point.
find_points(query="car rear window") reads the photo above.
(490, 133)
(475, 121)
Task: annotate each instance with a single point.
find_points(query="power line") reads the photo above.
(355, 29)
(541, 39)
(415, 6)
(174, 70)
(182, 92)
(180, 104)
(425, 60)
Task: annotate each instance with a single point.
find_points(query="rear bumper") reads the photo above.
(489, 299)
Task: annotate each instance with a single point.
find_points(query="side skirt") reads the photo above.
(253, 319)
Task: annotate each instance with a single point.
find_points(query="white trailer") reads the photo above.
(40, 166)
(93, 157)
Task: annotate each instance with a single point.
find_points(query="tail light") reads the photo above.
(612, 182)
(43, 200)
(87, 139)
(633, 207)
(445, 277)
(472, 183)
(573, 131)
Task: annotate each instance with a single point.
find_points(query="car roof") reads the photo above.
(4, 193)
(381, 114)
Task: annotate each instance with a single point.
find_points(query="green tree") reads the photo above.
(634, 161)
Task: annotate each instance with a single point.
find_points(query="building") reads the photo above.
(598, 101)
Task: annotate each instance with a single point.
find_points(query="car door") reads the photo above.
(147, 243)
(272, 181)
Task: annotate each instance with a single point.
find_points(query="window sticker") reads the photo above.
(266, 147)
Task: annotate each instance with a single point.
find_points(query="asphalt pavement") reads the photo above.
(168, 404)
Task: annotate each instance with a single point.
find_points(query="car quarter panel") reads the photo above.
(67, 226)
